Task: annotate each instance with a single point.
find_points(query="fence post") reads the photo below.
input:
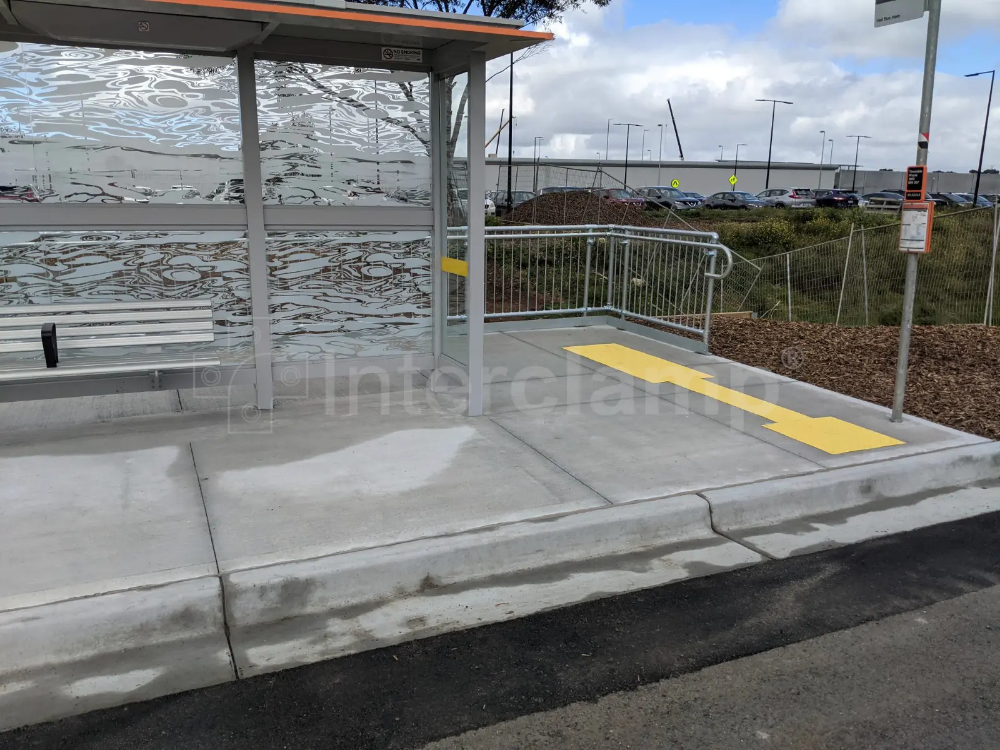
(991, 288)
(864, 270)
(843, 283)
(626, 275)
(612, 252)
(586, 276)
(788, 274)
(712, 257)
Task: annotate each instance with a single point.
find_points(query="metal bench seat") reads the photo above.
(105, 326)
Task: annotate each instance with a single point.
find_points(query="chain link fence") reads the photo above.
(858, 280)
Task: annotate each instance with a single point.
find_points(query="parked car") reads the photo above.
(488, 206)
(951, 200)
(564, 189)
(884, 195)
(621, 196)
(698, 197)
(836, 199)
(788, 197)
(981, 202)
(734, 201)
(19, 194)
(499, 197)
(667, 197)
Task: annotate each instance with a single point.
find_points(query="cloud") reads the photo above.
(845, 77)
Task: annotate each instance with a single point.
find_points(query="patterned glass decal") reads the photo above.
(337, 136)
(117, 126)
(350, 294)
(49, 268)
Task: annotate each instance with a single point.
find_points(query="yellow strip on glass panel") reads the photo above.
(456, 267)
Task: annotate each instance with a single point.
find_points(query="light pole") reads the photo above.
(822, 156)
(628, 134)
(642, 148)
(982, 151)
(722, 153)
(736, 169)
(607, 146)
(857, 150)
(536, 152)
(770, 148)
(659, 163)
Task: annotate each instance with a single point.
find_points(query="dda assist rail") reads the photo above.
(663, 277)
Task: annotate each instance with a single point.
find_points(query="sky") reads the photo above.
(714, 58)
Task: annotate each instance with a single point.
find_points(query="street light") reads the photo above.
(854, 179)
(607, 147)
(642, 148)
(628, 133)
(659, 163)
(822, 156)
(736, 169)
(982, 151)
(722, 153)
(774, 108)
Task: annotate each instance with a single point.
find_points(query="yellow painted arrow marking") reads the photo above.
(828, 434)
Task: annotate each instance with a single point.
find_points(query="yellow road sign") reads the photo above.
(675, 184)
(828, 434)
(733, 180)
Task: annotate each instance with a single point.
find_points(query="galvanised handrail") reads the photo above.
(683, 295)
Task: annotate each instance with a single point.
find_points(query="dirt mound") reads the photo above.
(954, 370)
(581, 207)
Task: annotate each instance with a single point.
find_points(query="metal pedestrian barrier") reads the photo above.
(660, 277)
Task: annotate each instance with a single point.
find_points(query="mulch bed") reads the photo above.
(954, 370)
(580, 208)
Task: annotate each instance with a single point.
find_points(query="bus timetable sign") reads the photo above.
(888, 12)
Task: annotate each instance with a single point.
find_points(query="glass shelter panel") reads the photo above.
(340, 136)
(116, 126)
(350, 294)
(43, 268)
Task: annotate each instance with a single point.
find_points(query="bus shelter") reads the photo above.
(260, 190)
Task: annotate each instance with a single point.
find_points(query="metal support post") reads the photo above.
(713, 255)
(788, 275)
(991, 290)
(253, 196)
(864, 272)
(586, 276)
(843, 281)
(626, 275)
(910, 288)
(439, 200)
(476, 281)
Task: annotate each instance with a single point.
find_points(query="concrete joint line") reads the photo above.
(218, 571)
(743, 543)
(547, 458)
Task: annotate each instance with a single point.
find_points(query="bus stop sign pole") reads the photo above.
(923, 144)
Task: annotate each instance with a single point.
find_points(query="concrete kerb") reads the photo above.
(802, 514)
(301, 612)
(69, 657)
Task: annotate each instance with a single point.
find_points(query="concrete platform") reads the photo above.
(185, 545)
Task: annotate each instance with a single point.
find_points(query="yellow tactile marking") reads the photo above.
(456, 267)
(828, 434)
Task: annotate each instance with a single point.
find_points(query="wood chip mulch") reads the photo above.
(954, 370)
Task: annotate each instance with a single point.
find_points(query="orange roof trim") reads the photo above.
(349, 15)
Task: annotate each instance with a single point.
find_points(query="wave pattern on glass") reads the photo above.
(338, 136)
(116, 126)
(49, 268)
(350, 294)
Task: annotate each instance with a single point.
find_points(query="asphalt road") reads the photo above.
(824, 650)
(929, 678)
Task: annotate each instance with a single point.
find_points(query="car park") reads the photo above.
(738, 201)
(981, 202)
(499, 198)
(622, 196)
(951, 200)
(788, 197)
(836, 199)
(668, 197)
